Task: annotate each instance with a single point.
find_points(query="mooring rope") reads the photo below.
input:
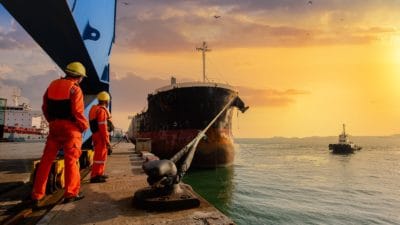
(190, 148)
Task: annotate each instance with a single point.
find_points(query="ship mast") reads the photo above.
(16, 95)
(204, 49)
(343, 136)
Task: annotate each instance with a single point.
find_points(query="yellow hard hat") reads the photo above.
(76, 69)
(103, 96)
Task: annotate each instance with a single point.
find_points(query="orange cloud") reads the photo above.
(176, 26)
(269, 97)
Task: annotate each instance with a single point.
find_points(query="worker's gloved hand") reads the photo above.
(110, 126)
(109, 149)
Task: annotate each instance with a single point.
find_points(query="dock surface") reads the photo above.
(111, 202)
(16, 160)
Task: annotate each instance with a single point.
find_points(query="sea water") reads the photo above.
(298, 181)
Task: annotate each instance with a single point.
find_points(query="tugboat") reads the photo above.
(344, 146)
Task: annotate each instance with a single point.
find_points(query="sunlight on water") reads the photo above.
(298, 181)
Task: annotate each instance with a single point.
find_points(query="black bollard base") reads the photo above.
(160, 200)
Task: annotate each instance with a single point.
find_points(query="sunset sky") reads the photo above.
(304, 67)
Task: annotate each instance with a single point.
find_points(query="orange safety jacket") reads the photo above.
(63, 100)
(99, 118)
(63, 107)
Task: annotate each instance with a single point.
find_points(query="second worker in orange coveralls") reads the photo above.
(100, 125)
(63, 108)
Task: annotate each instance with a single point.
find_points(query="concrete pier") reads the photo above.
(111, 202)
(16, 160)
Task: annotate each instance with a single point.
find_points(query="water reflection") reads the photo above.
(215, 185)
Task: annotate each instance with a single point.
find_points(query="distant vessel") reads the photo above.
(21, 123)
(177, 112)
(344, 146)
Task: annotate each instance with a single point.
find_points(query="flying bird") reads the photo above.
(216, 16)
(309, 2)
(125, 3)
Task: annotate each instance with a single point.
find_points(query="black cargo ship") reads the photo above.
(175, 115)
(177, 112)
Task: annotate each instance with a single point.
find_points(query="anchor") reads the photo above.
(166, 192)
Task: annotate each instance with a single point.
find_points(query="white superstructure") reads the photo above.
(21, 123)
(22, 116)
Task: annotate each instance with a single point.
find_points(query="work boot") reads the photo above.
(97, 179)
(74, 198)
(34, 203)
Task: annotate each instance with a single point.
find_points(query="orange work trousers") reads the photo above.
(100, 155)
(64, 135)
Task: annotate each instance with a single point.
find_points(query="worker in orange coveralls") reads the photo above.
(63, 108)
(100, 125)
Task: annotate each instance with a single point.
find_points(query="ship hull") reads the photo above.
(174, 117)
(343, 148)
(20, 134)
(216, 150)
